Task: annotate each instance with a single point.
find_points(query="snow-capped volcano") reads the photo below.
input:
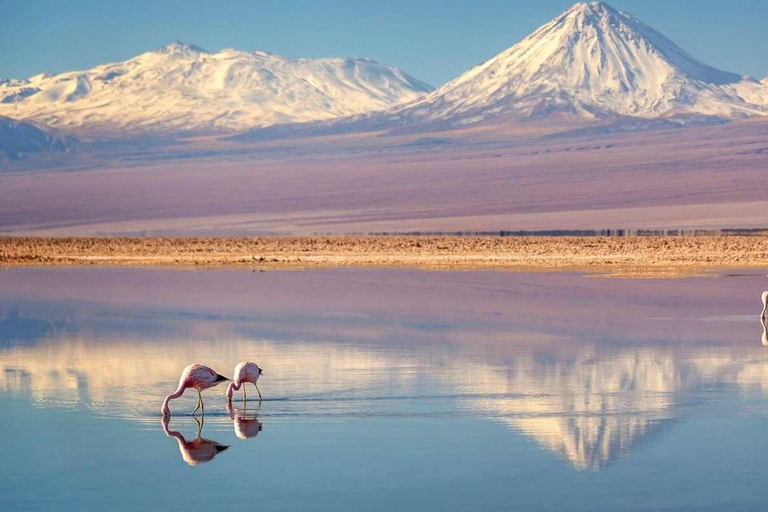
(593, 61)
(182, 87)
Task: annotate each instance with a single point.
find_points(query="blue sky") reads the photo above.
(432, 40)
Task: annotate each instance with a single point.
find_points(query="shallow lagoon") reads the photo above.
(384, 389)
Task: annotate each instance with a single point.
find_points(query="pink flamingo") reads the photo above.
(244, 372)
(194, 376)
(197, 451)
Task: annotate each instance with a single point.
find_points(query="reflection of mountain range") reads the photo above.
(584, 405)
(592, 408)
(133, 378)
(588, 383)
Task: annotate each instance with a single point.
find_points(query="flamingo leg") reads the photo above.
(257, 389)
(199, 401)
(244, 392)
(202, 405)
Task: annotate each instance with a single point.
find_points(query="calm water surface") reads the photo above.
(383, 390)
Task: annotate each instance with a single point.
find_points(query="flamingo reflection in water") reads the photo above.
(199, 450)
(247, 425)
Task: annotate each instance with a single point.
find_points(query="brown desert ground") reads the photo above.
(616, 256)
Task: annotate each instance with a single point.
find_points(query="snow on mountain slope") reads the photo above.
(591, 61)
(18, 138)
(182, 87)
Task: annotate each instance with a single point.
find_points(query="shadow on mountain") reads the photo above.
(19, 139)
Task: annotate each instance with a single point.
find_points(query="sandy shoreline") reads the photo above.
(636, 256)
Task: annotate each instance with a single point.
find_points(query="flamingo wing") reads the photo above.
(202, 377)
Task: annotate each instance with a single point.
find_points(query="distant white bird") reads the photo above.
(765, 305)
(762, 319)
(244, 372)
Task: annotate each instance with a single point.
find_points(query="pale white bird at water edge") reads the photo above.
(198, 377)
(244, 372)
(765, 305)
(763, 321)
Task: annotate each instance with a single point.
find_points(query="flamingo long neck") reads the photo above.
(233, 386)
(176, 394)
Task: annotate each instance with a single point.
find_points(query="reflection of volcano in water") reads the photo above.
(589, 408)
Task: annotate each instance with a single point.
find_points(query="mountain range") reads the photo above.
(183, 88)
(590, 65)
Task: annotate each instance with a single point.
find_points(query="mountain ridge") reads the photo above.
(183, 88)
(591, 63)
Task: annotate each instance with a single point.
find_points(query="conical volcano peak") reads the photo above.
(592, 19)
(592, 61)
(591, 9)
(611, 35)
(591, 14)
